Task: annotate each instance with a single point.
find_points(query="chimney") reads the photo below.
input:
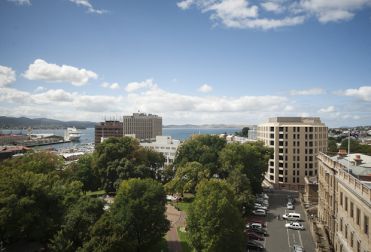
(342, 153)
(358, 159)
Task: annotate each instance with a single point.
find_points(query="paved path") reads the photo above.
(177, 219)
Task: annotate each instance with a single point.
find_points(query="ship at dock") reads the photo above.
(72, 134)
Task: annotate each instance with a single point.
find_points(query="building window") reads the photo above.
(271, 177)
(365, 224)
(346, 204)
(358, 214)
(358, 246)
(346, 232)
(351, 209)
(351, 239)
(341, 224)
(341, 199)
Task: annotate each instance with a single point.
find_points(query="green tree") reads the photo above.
(136, 220)
(107, 236)
(83, 171)
(244, 132)
(250, 159)
(118, 159)
(30, 206)
(140, 209)
(356, 147)
(332, 145)
(187, 177)
(78, 220)
(214, 221)
(37, 162)
(242, 189)
(203, 149)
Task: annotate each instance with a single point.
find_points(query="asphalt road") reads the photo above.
(281, 239)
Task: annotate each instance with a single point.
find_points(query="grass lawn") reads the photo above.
(186, 247)
(96, 193)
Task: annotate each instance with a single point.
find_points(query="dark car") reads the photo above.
(254, 245)
(257, 230)
(254, 236)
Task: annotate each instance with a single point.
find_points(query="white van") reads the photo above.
(292, 216)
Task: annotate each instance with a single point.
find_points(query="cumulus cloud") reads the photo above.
(185, 4)
(275, 7)
(312, 91)
(363, 93)
(88, 6)
(7, 76)
(205, 88)
(134, 86)
(243, 14)
(114, 85)
(42, 70)
(21, 2)
(144, 96)
(329, 109)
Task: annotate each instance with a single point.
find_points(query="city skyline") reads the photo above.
(190, 61)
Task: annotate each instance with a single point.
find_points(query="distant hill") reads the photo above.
(40, 123)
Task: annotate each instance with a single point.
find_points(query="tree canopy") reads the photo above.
(356, 147)
(117, 159)
(214, 221)
(203, 149)
(136, 221)
(244, 132)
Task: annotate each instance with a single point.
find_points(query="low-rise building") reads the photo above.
(344, 200)
(165, 145)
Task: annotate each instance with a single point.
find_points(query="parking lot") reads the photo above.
(279, 237)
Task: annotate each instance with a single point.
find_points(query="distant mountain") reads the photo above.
(205, 126)
(40, 123)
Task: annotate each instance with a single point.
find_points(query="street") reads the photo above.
(279, 237)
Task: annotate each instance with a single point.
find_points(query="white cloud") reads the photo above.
(21, 2)
(7, 76)
(312, 91)
(39, 89)
(242, 14)
(114, 85)
(363, 93)
(41, 70)
(134, 86)
(88, 6)
(329, 109)
(275, 7)
(185, 4)
(205, 88)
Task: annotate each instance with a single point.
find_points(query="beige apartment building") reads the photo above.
(344, 200)
(144, 127)
(296, 142)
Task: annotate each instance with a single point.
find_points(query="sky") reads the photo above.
(189, 61)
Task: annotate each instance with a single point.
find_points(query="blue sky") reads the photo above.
(191, 61)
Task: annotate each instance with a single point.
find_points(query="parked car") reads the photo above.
(290, 206)
(260, 206)
(251, 244)
(254, 236)
(262, 223)
(297, 248)
(254, 225)
(294, 225)
(257, 230)
(292, 217)
(259, 212)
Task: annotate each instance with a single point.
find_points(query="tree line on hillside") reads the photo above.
(355, 146)
(44, 201)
